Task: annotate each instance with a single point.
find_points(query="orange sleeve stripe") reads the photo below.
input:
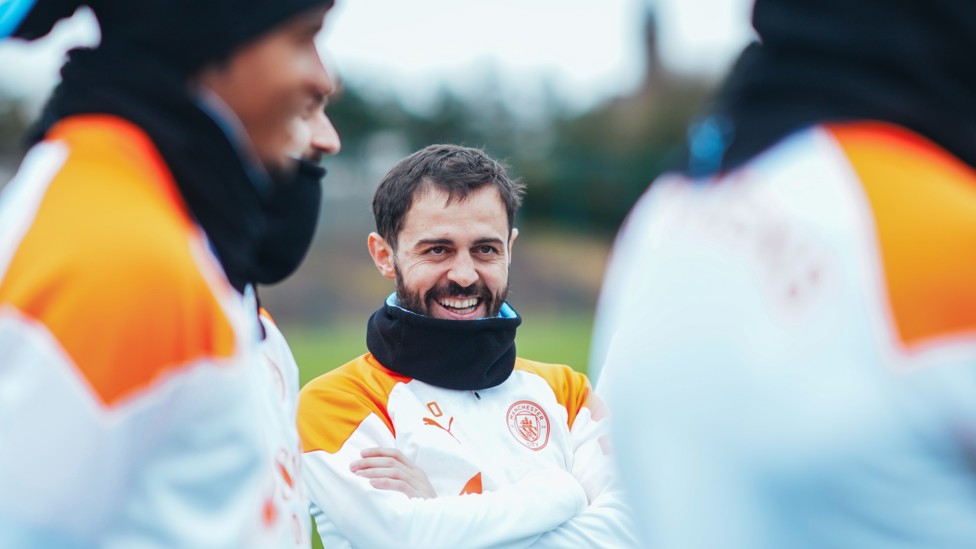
(572, 389)
(264, 312)
(122, 291)
(332, 406)
(924, 206)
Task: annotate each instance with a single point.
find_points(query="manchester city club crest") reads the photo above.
(529, 424)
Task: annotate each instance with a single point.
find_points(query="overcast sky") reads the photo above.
(587, 50)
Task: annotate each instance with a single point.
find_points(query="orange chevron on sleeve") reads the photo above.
(332, 406)
(924, 206)
(107, 265)
(572, 389)
(473, 486)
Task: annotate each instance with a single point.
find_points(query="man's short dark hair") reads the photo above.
(455, 170)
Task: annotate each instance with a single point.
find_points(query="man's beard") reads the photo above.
(413, 301)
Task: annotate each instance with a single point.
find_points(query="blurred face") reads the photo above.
(270, 82)
(451, 260)
(313, 135)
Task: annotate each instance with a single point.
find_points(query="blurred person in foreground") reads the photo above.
(314, 137)
(789, 323)
(440, 436)
(159, 192)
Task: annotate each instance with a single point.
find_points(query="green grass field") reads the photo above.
(546, 337)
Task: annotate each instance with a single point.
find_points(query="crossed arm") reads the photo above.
(604, 521)
(389, 469)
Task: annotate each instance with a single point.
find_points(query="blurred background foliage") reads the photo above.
(583, 169)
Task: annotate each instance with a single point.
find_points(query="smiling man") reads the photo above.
(440, 436)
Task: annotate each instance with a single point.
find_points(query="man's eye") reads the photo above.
(437, 250)
(487, 249)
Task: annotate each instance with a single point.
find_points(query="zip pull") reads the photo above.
(476, 395)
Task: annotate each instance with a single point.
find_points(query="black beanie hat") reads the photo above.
(187, 34)
(907, 62)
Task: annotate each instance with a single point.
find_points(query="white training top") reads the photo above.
(789, 349)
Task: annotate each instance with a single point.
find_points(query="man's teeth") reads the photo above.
(459, 303)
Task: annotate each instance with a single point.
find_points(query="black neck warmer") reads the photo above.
(907, 62)
(259, 224)
(291, 215)
(453, 354)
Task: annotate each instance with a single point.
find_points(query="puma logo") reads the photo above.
(450, 424)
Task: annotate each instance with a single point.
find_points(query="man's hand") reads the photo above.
(389, 469)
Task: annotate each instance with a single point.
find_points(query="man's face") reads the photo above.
(451, 260)
(270, 82)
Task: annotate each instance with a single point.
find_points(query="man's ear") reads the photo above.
(383, 255)
(511, 242)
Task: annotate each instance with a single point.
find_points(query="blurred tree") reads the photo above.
(603, 159)
(583, 170)
(357, 116)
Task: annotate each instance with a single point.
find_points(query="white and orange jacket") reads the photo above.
(791, 348)
(131, 377)
(280, 391)
(522, 464)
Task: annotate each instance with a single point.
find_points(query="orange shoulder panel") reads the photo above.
(924, 205)
(332, 406)
(107, 265)
(572, 389)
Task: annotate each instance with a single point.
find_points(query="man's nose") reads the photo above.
(325, 139)
(463, 272)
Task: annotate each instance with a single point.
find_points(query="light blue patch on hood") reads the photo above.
(505, 312)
